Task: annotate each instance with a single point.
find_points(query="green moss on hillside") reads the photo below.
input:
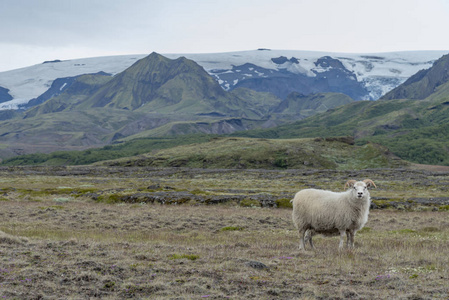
(269, 154)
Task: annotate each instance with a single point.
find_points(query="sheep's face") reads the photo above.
(359, 189)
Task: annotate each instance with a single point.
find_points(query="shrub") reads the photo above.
(430, 229)
(249, 203)
(198, 192)
(113, 198)
(231, 228)
(364, 230)
(181, 256)
(443, 208)
(284, 203)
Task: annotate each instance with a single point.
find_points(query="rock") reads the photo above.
(256, 264)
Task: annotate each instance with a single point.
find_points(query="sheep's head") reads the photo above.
(360, 188)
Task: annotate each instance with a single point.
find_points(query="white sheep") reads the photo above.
(330, 213)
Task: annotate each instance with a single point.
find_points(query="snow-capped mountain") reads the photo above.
(376, 73)
(361, 76)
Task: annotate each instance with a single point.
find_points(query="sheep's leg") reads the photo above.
(311, 243)
(342, 239)
(351, 238)
(348, 238)
(308, 238)
(301, 239)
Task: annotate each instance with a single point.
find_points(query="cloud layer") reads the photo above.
(40, 30)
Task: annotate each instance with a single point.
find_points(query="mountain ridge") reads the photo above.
(415, 129)
(154, 96)
(75, 121)
(141, 81)
(156, 84)
(378, 73)
(424, 83)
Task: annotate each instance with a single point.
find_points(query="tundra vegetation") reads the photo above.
(180, 233)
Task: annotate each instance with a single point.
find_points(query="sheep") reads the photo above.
(330, 213)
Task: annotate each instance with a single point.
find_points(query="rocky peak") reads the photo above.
(423, 83)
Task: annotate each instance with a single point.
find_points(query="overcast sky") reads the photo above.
(32, 31)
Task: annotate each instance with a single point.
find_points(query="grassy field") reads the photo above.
(84, 232)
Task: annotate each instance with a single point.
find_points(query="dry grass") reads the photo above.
(81, 249)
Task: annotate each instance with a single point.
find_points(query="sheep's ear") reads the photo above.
(369, 183)
(350, 183)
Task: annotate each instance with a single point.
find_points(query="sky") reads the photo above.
(34, 31)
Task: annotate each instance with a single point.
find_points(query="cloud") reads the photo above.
(88, 22)
(52, 29)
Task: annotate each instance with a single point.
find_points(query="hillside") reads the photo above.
(415, 130)
(300, 106)
(414, 126)
(241, 153)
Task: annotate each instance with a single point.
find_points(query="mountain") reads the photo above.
(369, 76)
(156, 84)
(4, 95)
(57, 87)
(300, 106)
(328, 75)
(157, 81)
(415, 128)
(65, 93)
(280, 72)
(424, 83)
(178, 97)
(155, 96)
